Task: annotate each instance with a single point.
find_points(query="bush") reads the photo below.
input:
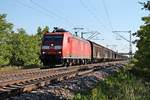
(121, 86)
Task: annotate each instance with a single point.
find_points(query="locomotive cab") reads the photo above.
(51, 49)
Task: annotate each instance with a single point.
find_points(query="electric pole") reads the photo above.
(130, 52)
(130, 40)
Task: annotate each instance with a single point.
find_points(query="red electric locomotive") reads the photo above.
(61, 47)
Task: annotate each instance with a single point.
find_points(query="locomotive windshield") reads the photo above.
(56, 39)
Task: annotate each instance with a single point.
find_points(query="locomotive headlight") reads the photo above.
(43, 52)
(52, 45)
(59, 52)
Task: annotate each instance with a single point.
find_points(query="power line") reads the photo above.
(94, 33)
(109, 20)
(92, 13)
(106, 11)
(107, 14)
(93, 8)
(77, 29)
(51, 12)
(38, 10)
(27, 6)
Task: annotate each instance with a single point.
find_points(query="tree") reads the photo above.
(39, 32)
(24, 49)
(147, 5)
(45, 29)
(143, 44)
(18, 48)
(5, 33)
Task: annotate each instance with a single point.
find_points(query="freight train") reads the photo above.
(61, 47)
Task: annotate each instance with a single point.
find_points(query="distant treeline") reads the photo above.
(19, 48)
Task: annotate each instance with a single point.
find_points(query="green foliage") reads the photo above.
(5, 31)
(24, 49)
(40, 33)
(19, 48)
(147, 5)
(45, 29)
(143, 44)
(121, 86)
(124, 86)
(39, 36)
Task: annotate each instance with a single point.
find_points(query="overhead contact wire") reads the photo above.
(27, 6)
(51, 12)
(93, 14)
(107, 14)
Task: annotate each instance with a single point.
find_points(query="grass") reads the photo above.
(9, 68)
(121, 86)
(15, 68)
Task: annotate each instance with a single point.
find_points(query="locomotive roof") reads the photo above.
(65, 32)
(82, 39)
(56, 29)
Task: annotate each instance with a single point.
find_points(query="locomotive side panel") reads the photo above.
(75, 50)
(66, 45)
(80, 49)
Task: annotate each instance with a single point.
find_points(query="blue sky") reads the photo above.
(103, 16)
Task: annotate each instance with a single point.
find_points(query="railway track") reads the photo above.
(28, 80)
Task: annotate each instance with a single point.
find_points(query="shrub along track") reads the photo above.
(27, 80)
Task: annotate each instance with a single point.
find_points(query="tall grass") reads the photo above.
(121, 86)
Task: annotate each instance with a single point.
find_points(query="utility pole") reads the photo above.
(130, 52)
(130, 40)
